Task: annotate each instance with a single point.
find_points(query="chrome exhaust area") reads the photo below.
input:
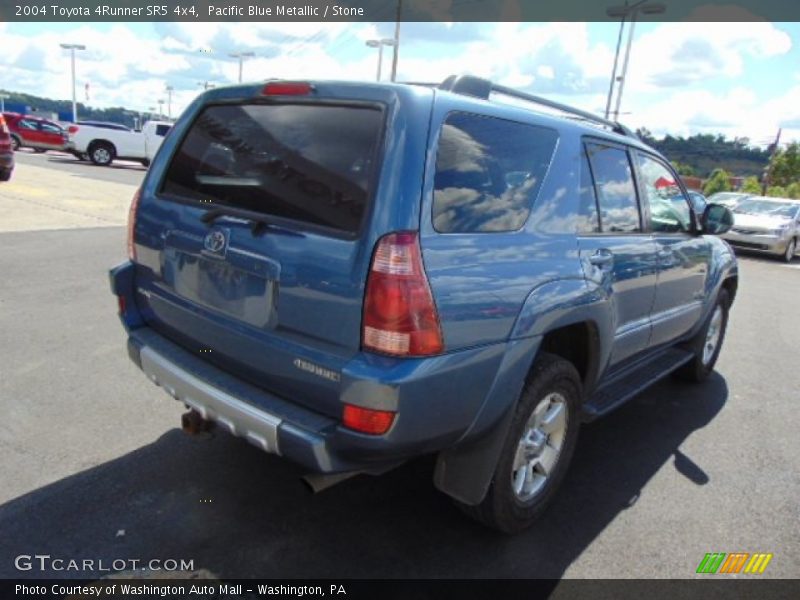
(319, 482)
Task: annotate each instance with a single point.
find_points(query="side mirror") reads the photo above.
(717, 219)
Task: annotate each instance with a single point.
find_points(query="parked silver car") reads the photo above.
(729, 199)
(766, 225)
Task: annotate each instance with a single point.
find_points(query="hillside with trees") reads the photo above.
(46, 105)
(703, 153)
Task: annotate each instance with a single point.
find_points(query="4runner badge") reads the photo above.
(304, 365)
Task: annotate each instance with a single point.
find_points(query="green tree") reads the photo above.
(718, 182)
(751, 185)
(683, 168)
(776, 191)
(786, 165)
(793, 190)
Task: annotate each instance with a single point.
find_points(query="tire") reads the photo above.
(101, 154)
(522, 486)
(5, 175)
(791, 248)
(39, 150)
(16, 144)
(705, 357)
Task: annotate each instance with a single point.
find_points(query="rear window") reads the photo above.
(488, 173)
(162, 130)
(308, 163)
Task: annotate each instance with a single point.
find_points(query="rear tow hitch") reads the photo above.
(193, 423)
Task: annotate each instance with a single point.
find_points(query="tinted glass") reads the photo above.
(488, 172)
(616, 195)
(588, 221)
(310, 163)
(51, 128)
(669, 208)
(25, 124)
(161, 130)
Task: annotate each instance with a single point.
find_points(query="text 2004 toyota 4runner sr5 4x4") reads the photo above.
(351, 275)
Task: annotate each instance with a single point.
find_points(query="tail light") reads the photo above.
(3, 126)
(399, 313)
(287, 88)
(132, 224)
(72, 129)
(367, 420)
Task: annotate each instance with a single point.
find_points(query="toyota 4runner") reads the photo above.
(351, 275)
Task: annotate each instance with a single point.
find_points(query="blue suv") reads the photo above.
(351, 275)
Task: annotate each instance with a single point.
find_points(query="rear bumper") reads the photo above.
(439, 401)
(271, 423)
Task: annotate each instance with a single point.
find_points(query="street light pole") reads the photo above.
(169, 90)
(396, 39)
(379, 44)
(625, 66)
(3, 102)
(624, 12)
(614, 70)
(241, 56)
(160, 108)
(72, 48)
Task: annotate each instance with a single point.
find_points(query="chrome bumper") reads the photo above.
(757, 242)
(258, 427)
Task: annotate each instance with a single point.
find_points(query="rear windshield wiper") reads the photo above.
(258, 222)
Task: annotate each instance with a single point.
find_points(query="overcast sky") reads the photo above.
(740, 79)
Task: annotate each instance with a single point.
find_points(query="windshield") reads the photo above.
(772, 208)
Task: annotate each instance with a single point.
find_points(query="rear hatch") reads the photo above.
(255, 230)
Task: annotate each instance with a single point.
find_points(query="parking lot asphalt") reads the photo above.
(94, 464)
(120, 171)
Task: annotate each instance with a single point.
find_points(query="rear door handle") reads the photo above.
(602, 258)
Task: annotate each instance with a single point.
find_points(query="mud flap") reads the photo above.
(465, 471)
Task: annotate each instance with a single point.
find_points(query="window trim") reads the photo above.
(644, 216)
(292, 224)
(479, 115)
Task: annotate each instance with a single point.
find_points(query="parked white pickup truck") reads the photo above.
(102, 145)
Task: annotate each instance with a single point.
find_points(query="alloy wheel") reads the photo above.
(539, 447)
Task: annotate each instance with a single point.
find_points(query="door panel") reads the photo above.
(616, 253)
(683, 257)
(628, 279)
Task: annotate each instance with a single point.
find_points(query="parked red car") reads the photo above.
(6, 152)
(33, 132)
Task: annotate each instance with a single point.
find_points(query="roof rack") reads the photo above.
(478, 87)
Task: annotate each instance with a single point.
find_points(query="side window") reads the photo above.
(616, 194)
(161, 130)
(588, 219)
(669, 208)
(26, 124)
(488, 173)
(50, 128)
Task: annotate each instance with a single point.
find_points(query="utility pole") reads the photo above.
(768, 171)
(3, 102)
(397, 38)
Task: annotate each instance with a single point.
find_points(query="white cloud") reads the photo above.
(679, 79)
